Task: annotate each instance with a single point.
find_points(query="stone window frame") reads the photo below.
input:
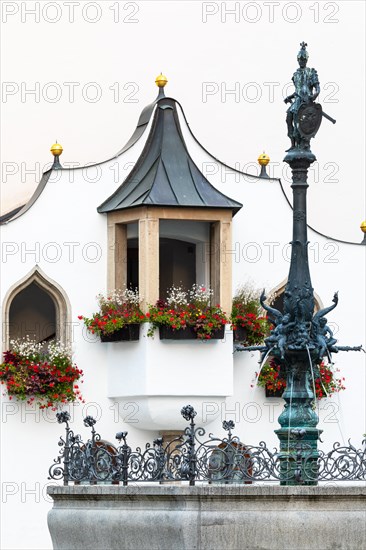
(148, 218)
(54, 290)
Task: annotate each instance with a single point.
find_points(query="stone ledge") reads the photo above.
(185, 491)
(234, 517)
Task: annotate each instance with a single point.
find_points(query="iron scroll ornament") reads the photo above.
(192, 458)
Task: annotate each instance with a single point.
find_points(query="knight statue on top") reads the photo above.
(304, 116)
(299, 329)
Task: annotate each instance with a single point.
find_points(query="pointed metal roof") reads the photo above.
(165, 174)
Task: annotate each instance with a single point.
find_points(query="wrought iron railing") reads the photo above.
(192, 459)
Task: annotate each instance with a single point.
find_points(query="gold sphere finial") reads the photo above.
(363, 226)
(263, 159)
(161, 80)
(56, 149)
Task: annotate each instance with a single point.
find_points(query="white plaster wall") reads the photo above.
(67, 238)
(66, 213)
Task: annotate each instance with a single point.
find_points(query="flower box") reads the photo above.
(188, 333)
(41, 375)
(187, 315)
(240, 334)
(119, 316)
(274, 393)
(128, 333)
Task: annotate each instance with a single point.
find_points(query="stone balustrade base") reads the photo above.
(208, 517)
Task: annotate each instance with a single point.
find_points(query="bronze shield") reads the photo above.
(309, 117)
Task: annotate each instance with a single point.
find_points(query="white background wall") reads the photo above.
(196, 56)
(253, 51)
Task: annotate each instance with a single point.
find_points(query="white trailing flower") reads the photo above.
(131, 296)
(32, 349)
(119, 297)
(58, 350)
(200, 295)
(26, 347)
(177, 296)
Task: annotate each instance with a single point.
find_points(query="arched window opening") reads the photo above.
(38, 307)
(32, 313)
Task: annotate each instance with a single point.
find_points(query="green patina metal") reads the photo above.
(301, 339)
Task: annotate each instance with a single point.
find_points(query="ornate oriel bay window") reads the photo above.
(167, 225)
(167, 246)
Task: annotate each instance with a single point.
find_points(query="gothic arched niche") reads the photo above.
(32, 312)
(36, 306)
